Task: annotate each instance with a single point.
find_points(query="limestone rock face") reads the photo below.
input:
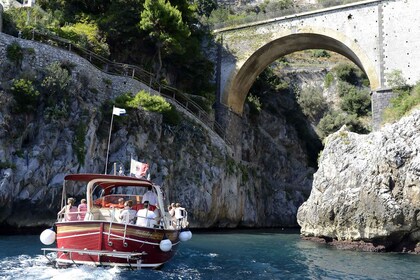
(367, 187)
(262, 187)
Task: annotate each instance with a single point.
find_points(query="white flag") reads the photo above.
(139, 169)
(119, 112)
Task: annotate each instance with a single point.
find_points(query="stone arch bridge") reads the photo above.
(378, 36)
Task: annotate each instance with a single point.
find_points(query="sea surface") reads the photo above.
(245, 254)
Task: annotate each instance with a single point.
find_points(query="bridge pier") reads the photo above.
(380, 101)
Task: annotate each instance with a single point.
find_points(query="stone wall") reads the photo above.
(380, 101)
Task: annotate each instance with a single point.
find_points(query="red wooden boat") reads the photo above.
(102, 239)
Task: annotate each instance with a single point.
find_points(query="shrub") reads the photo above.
(79, 142)
(356, 102)
(172, 116)
(402, 103)
(56, 82)
(14, 53)
(25, 94)
(24, 20)
(334, 120)
(346, 73)
(313, 103)
(153, 103)
(320, 53)
(395, 79)
(254, 103)
(328, 80)
(85, 34)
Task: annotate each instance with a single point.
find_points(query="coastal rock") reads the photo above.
(367, 188)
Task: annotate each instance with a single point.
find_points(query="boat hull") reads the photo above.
(103, 241)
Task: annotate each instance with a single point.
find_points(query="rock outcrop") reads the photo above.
(366, 192)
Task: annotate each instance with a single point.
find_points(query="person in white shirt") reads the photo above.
(128, 215)
(150, 196)
(146, 217)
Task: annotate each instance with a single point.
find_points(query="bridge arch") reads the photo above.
(247, 71)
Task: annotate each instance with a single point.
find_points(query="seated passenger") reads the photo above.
(120, 204)
(146, 217)
(128, 215)
(82, 208)
(69, 211)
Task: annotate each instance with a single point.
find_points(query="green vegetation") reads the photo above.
(152, 103)
(162, 37)
(329, 79)
(25, 94)
(402, 103)
(320, 53)
(348, 73)
(85, 34)
(163, 22)
(14, 53)
(79, 142)
(254, 103)
(6, 165)
(355, 101)
(396, 80)
(354, 106)
(313, 103)
(56, 82)
(334, 120)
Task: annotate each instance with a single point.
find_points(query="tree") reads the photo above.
(205, 7)
(166, 28)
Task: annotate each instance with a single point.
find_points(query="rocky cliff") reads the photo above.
(68, 133)
(366, 192)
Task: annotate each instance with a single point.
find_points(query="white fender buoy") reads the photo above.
(189, 234)
(165, 245)
(47, 237)
(184, 236)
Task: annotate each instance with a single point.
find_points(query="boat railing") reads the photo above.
(72, 216)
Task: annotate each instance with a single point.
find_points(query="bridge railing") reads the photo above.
(134, 72)
(261, 16)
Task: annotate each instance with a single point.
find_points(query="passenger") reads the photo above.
(171, 211)
(128, 215)
(179, 214)
(120, 204)
(69, 211)
(150, 196)
(82, 208)
(146, 217)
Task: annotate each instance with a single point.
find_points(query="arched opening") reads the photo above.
(237, 90)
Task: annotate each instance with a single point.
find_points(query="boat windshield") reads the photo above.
(112, 197)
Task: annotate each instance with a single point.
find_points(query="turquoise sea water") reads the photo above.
(223, 255)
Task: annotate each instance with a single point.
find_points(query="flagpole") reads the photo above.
(109, 140)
